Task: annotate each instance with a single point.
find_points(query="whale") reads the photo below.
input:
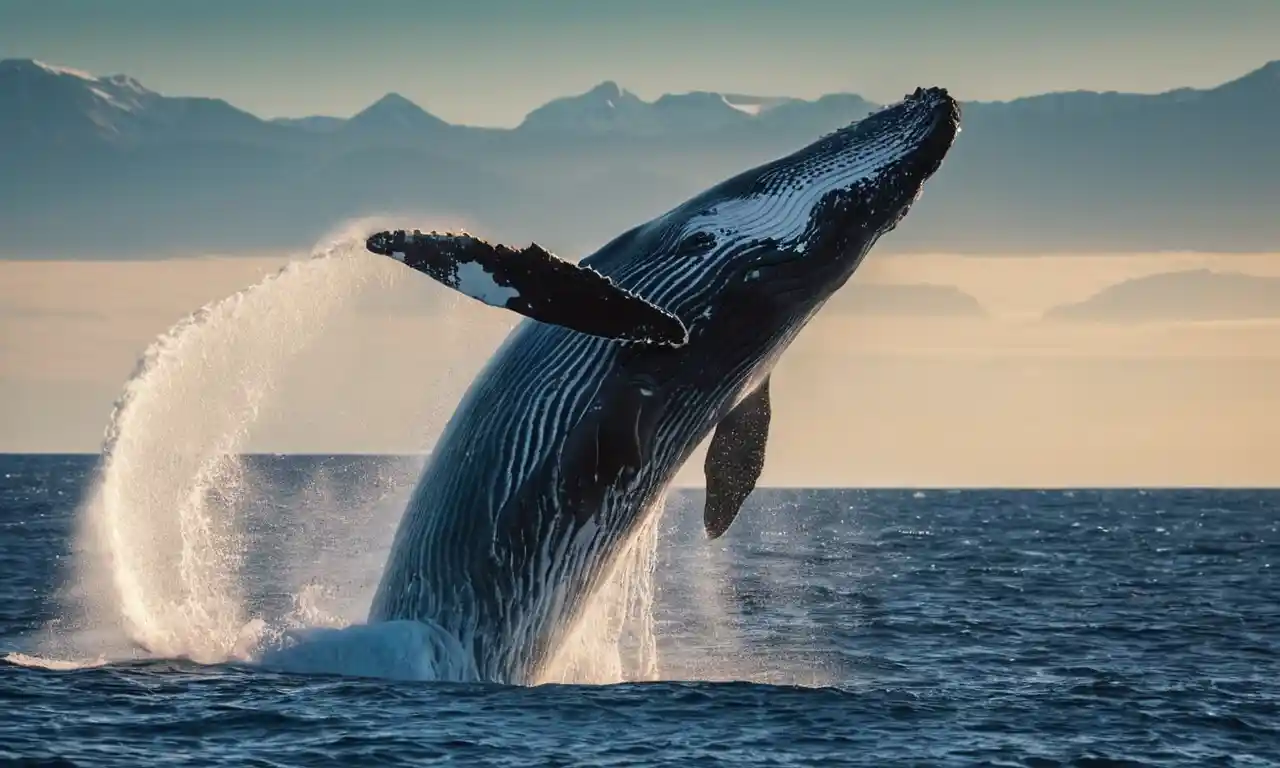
(623, 364)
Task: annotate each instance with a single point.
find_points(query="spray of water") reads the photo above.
(160, 543)
(616, 639)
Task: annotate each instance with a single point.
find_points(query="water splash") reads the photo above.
(160, 539)
(616, 639)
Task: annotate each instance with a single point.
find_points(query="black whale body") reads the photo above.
(574, 430)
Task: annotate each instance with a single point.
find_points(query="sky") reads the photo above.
(489, 62)
(371, 360)
(366, 356)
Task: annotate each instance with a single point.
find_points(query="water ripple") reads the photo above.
(1018, 628)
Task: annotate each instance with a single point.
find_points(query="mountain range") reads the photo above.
(103, 166)
(1186, 295)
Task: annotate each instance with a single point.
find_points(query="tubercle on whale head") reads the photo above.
(929, 120)
(885, 160)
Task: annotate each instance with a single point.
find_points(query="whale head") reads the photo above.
(796, 228)
(769, 245)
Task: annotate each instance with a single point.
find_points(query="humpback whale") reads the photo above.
(625, 363)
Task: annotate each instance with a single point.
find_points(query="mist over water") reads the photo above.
(185, 550)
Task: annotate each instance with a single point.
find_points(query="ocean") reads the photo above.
(828, 627)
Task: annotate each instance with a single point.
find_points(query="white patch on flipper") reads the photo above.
(398, 256)
(475, 282)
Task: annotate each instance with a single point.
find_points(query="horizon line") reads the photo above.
(956, 488)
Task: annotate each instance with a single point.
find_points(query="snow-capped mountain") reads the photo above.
(1186, 169)
(42, 102)
(609, 109)
(45, 104)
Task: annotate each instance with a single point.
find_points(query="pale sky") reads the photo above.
(488, 62)
(365, 356)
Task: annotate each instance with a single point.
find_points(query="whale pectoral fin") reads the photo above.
(610, 444)
(735, 459)
(535, 283)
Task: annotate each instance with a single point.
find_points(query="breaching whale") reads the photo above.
(627, 362)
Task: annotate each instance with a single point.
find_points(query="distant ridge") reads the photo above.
(1189, 295)
(144, 173)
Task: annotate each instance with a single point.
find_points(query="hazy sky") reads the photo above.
(859, 400)
(488, 62)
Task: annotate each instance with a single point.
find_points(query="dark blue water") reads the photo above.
(935, 628)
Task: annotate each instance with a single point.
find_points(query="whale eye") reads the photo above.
(695, 243)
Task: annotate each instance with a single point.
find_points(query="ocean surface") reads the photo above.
(828, 627)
